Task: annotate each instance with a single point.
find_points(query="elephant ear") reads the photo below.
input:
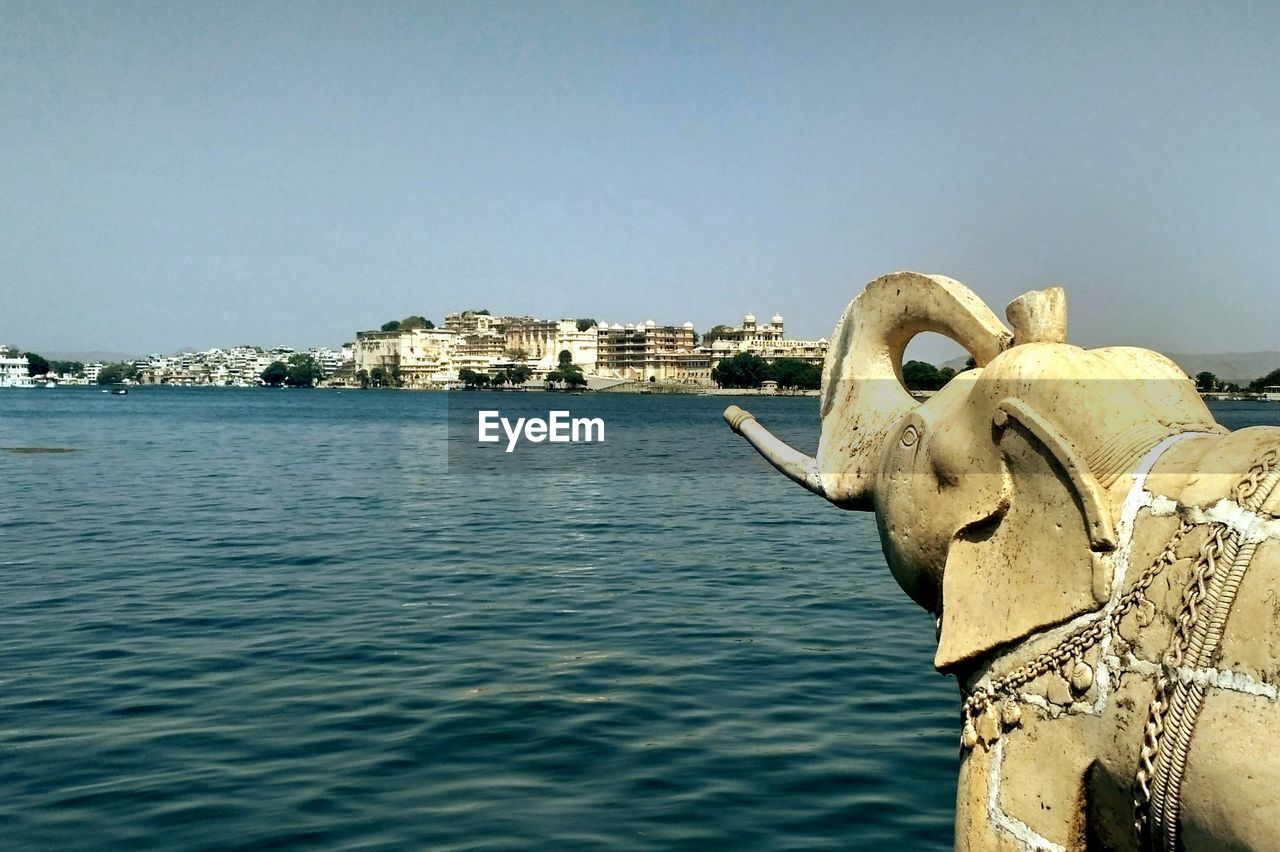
(1036, 562)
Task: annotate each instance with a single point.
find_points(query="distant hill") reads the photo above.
(956, 364)
(1238, 367)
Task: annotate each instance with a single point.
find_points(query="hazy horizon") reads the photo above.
(197, 175)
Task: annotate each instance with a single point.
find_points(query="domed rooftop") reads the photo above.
(688, 325)
(616, 327)
(749, 318)
(777, 318)
(650, 324)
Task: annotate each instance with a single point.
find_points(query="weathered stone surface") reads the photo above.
(1110, 781)
(1251, 636)
(1058, 691)
(1051, 803)
(1229, 794)
(1218, 469)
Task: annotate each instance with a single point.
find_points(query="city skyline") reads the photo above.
(101, 354)
(181, 176)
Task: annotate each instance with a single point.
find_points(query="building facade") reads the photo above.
(14, 373)
(767, 340)
(479, 340)
(239, 366)
(542, 341)
(648, 352)
(640, 352)
(418, 358)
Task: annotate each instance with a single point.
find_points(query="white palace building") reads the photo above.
(13, 373)
(636, 352)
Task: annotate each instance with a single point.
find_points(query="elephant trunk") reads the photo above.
(863, 393)
(789, 461)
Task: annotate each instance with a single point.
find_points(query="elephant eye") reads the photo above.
(909, 436)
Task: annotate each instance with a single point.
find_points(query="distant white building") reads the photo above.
(14, 374)
(542, 341)
(646, 351)
(471, 340)
(331, 360)
(421, 357)
(764, 339)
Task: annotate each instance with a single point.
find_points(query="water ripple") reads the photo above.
(260, 620)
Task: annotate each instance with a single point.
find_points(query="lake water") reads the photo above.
(262, 619)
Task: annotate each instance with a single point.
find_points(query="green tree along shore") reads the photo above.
(302, 371)
(1271, 379)
(1207, 382)
(566, 372)
(919, 375)
(747, 370)
(38, 365)
(472, 379)
(275, 374)
(516, 374)
(114, 374)
(519, 374)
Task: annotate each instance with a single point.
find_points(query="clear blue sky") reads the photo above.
(197, 174)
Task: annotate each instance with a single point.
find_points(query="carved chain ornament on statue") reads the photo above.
(1101, 557)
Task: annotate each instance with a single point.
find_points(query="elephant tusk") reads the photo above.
(792, 463)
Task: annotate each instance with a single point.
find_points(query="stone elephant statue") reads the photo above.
(1100, 558)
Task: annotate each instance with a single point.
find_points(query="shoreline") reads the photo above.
(629, 388)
